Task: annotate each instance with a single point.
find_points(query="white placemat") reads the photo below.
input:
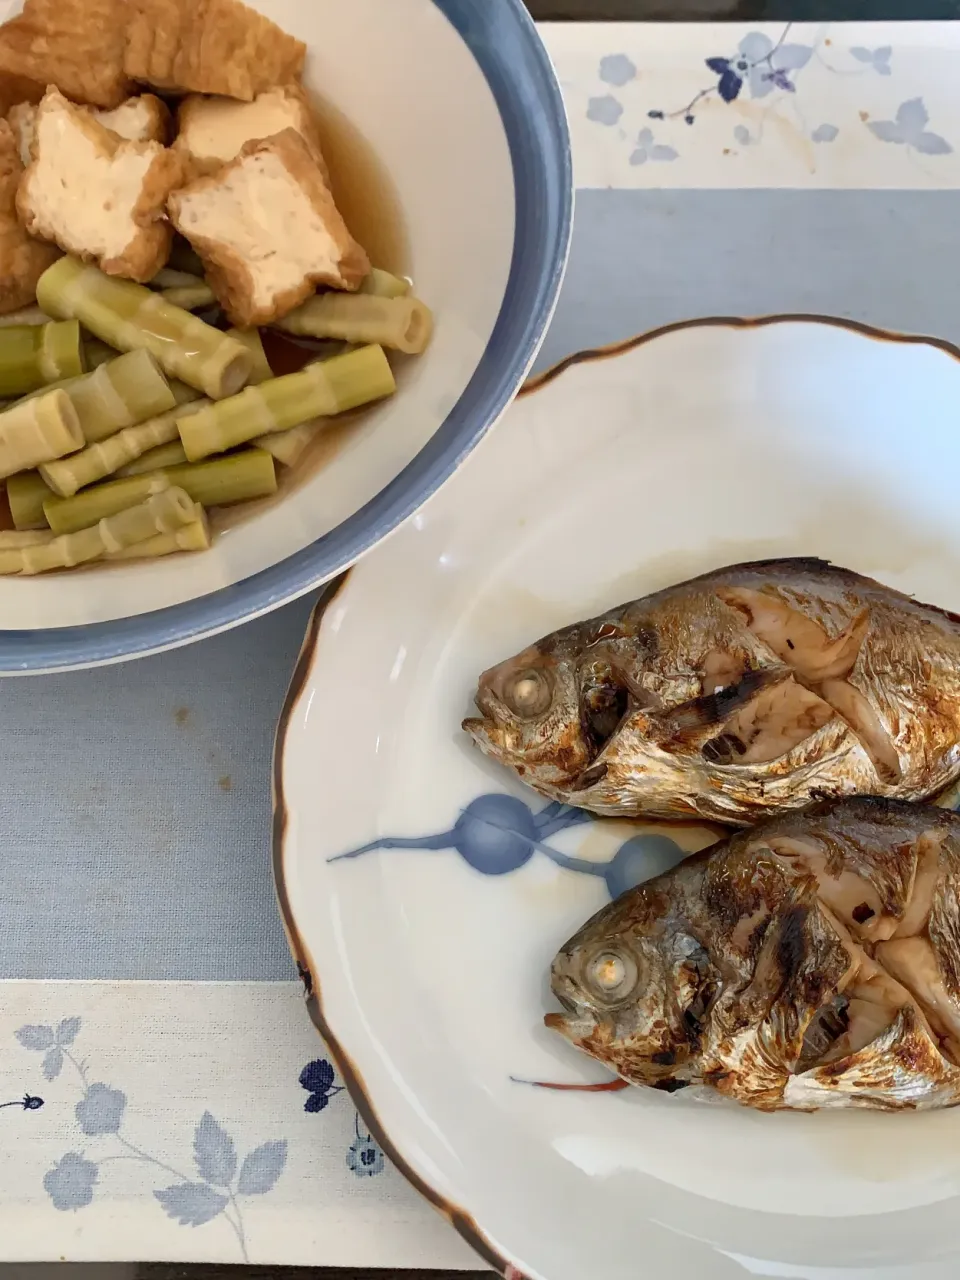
(164, 1094)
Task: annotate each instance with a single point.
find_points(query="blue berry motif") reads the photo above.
(497, 834)
(318, 1078)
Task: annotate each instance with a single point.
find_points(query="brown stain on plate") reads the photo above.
(459, 1218)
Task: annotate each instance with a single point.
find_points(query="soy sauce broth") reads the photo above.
(362, 188)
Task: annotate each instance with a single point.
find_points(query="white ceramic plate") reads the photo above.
(458, 107)
(427, 959)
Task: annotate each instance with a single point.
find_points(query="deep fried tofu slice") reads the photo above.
(213, 130)
(97, 195)
(23, 260)
(77, 45)
(268, 230)
(143, 119)
(208, 46)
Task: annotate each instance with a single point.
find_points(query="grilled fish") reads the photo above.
(812, 962)
(733, 697)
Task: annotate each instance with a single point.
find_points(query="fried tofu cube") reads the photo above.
(212, 131)
(78, 45)
(94, 50)
(208, 46)
(96, 195)
(143, 119)
(268, 230)
(23, 260)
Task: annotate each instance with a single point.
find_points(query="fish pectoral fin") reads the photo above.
(854, 709)
(899, 1069)
(798, 641)
(688, 723)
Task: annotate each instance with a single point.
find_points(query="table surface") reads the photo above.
(148, 995)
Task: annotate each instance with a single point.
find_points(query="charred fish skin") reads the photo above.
(734, 697)
(811, 962)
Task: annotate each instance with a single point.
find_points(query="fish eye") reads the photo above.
(528, 693)
(612, 974)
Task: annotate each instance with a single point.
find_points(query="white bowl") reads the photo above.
(459, 104)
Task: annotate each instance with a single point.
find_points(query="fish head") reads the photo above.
(530, 717)
(636, 989)
(549, 712)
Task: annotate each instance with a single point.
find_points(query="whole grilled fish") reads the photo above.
(812, 962)
(735, 696)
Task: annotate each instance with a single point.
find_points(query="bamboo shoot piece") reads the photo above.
(261, 365)
(26, 315)
(191, 297)
(242, 476)
(32, 355)
(130, 317)
(167, 455)
(192, 537)
(288, 446)
(159, 514)
(384, 284)
(120, 393)
(103, 458)
(67, 515)
(13, 539)
(37, 431)
(320, 390)
(171, 278)
(26, 494)
(402, 324)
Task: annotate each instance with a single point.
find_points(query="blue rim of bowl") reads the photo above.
(505, 44)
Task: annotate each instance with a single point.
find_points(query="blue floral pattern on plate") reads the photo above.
(222, 1181)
